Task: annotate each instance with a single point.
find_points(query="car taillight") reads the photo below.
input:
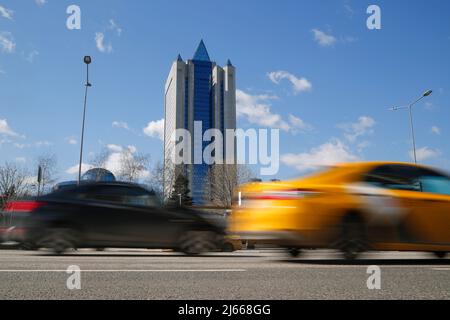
(23, 206)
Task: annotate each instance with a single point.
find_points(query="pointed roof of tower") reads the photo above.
(179, 58)
(229, 63)
(201, 54)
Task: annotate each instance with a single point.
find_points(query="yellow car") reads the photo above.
(351, 207)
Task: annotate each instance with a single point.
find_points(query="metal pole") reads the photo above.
(412, 133)
(82, 126)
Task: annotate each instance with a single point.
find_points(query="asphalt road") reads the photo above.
(258, 274)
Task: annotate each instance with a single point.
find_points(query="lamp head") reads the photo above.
(427, 93)
(87, 59)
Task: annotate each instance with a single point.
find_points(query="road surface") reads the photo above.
(246, 274)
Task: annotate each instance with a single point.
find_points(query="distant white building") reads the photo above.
(198, 90)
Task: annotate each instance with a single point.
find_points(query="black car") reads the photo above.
(119, 215)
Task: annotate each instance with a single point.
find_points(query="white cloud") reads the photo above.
(349, 10)
(43, 143)
(74, 169)
(115, 27)
(116, 156)
(21, 159)
(40, 2)
(353, 131)
(114, 148)
(6, 13)
(30, 57)
(363, 145)
(298, 123)
(349, 39)
(256, 109)
(6, 129)
(298, 84)
(72, 141)
(132, 149)
(20, 145)
(424, 153)
(99, 41)
(436, 130)
(155, 129)
(120, 124)
(323, 39)
(7, 43)
(37, 144)
(114, 161)
(332, 152)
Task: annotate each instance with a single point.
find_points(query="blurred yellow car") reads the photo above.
(351, 207)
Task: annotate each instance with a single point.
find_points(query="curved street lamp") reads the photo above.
(425, 94)
(87, 60)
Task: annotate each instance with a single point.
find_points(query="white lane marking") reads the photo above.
(441, 269)
(132, 270)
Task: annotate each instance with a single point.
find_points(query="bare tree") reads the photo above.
(13, 183)
(133, 166)
(156, 179)
(222, 180)
(48, 163)
(162, 179)
(99, 160)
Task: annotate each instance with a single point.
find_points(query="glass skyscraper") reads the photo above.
(197, 90)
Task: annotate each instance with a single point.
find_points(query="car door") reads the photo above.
(107, 219)
(435, 198)
(152, 225)
(425, 212)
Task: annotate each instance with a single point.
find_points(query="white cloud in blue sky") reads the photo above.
(7, 44)
(6, 13)
(155, 129)
(298, 84)
(329, 153)
(100, 43)
(436, 130)
(424, 153)
(323, 38)
(40, 2)
(5, 129)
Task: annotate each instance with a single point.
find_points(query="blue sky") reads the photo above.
(311, 68)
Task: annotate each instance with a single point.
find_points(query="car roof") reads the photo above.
(340, 172)
(83, 184)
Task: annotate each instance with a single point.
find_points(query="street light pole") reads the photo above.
(87, 60)
(412, 133)
(413, 138)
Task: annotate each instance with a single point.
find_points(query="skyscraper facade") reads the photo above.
(197, 90)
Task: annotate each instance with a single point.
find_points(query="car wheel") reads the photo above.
(294, 252)
(352, 240)
(197, 242)
(28, 246)
(60, 240)
(228, 247)
(440, 254)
